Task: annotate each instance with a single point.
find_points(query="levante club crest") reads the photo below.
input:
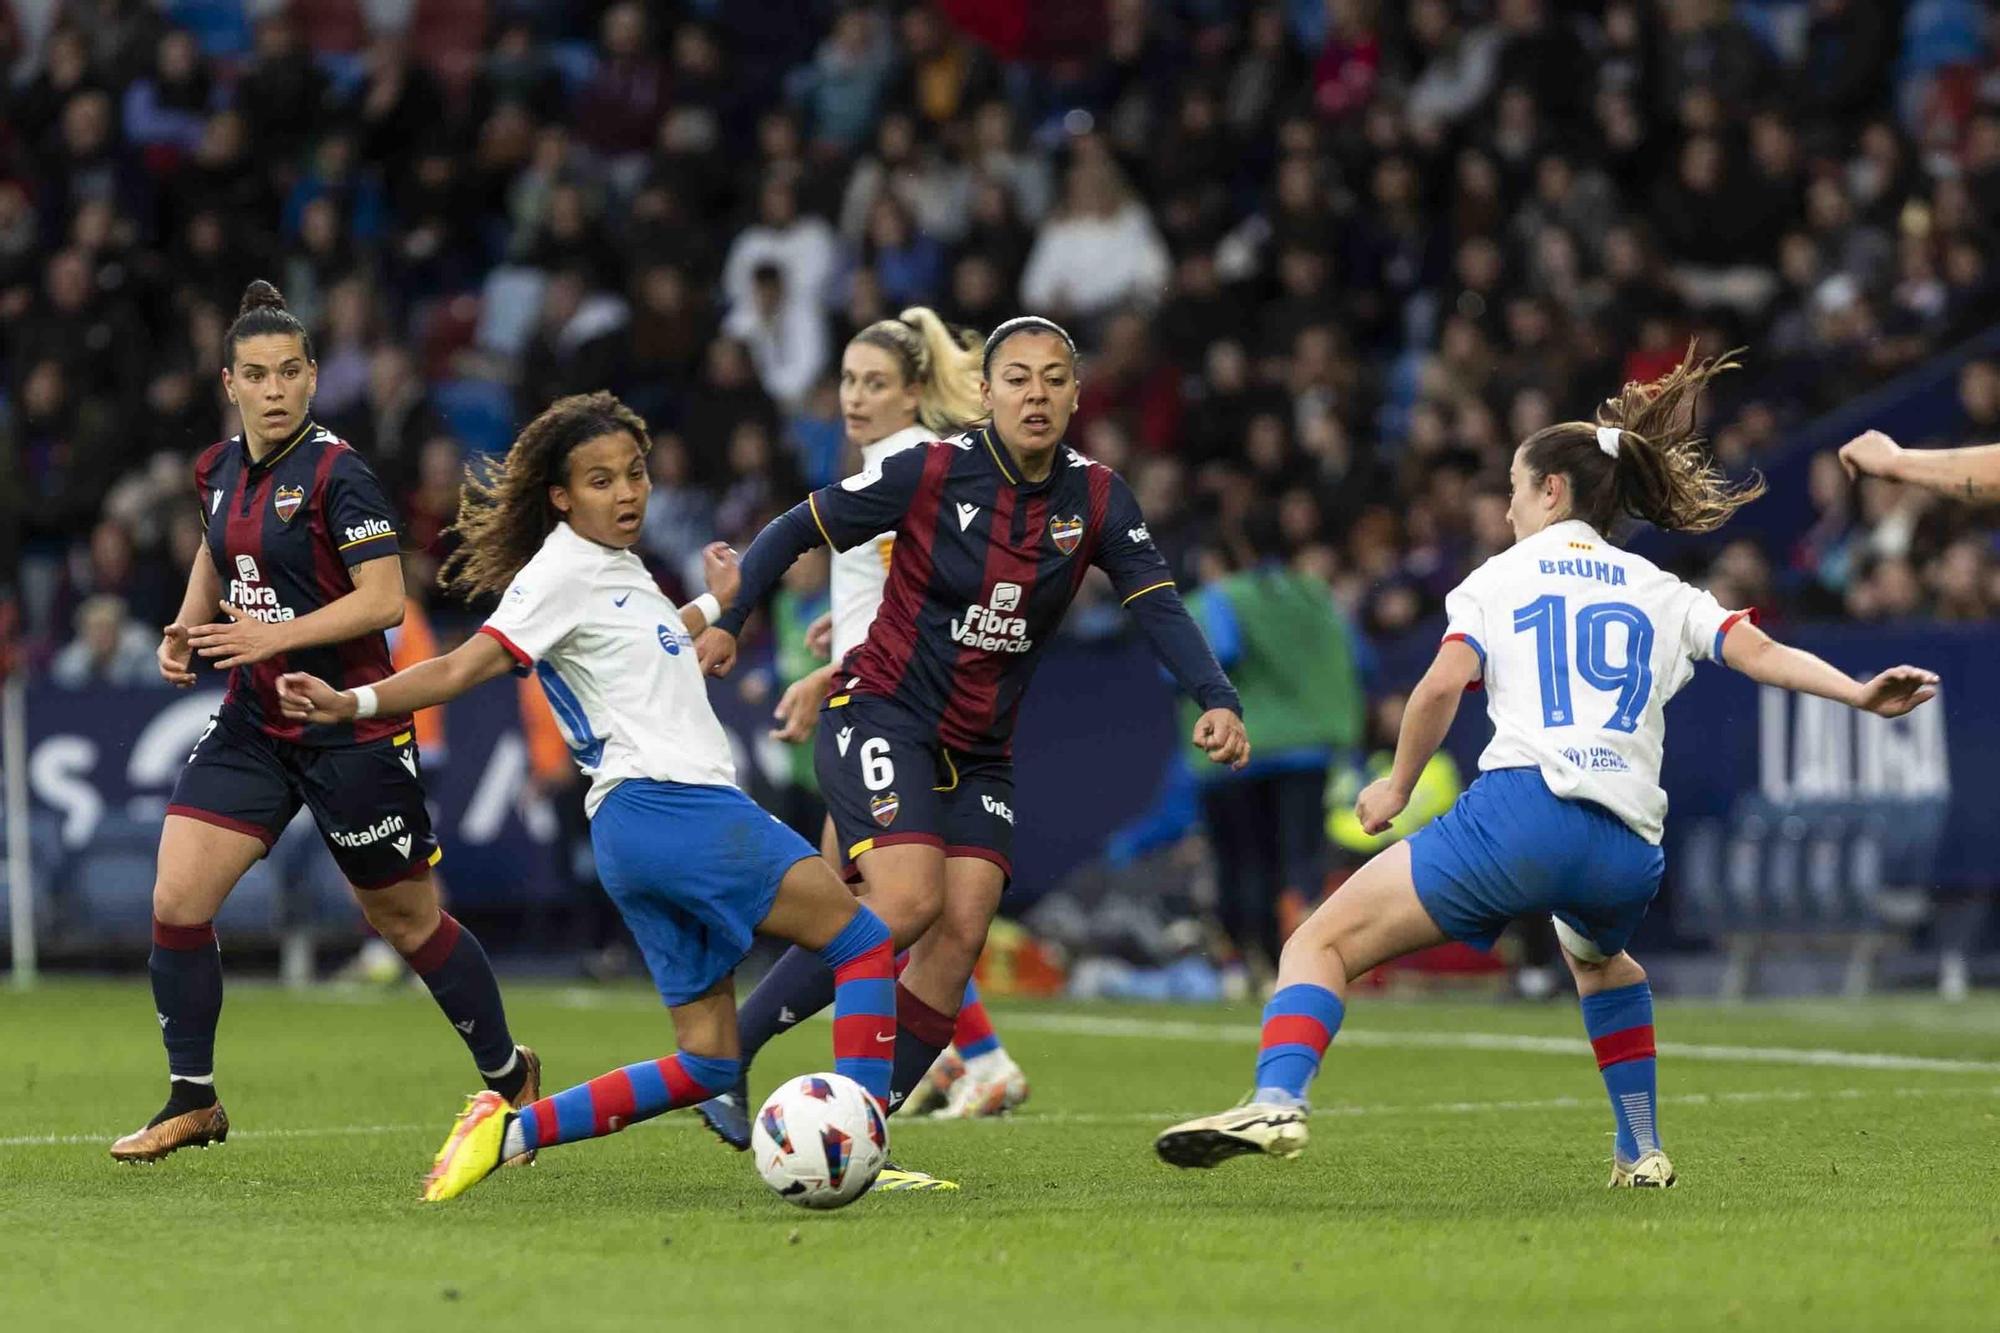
(1066, 533)
(286, 500)
(884, 808)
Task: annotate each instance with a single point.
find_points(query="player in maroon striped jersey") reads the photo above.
(301, 561)
(994, 533)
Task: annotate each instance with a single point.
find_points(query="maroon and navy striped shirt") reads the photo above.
(984, 567)
(284, 534)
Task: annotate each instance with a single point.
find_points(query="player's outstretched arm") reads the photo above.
(1426, 718)
(376, 604)
(204, 591)
(307, 698)
(1971, 474)
(1757, 655)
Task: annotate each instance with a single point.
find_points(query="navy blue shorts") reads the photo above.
(886, 782)
(368, 800)
(694, 870)
(1510, 847)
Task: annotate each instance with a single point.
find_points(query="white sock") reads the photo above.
(515, 1141)
(505, 1069)
(992, 1064)
(206, 1080)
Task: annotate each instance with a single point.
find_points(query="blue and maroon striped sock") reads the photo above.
(864, 1002)
(1620, 1024)
(610, 1102)
(1299, 1023)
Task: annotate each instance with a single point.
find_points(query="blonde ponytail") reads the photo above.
(944, 366)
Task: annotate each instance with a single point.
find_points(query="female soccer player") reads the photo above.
(994, 533)
(903, 382)
(300, 528)
(693, 864)
(1578, 645)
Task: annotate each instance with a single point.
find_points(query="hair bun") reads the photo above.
(261, 295)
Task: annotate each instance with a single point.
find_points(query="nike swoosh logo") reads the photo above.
(620, 601)
(891, 1037)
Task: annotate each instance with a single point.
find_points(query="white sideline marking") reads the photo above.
(1032, 1118)
(1245, 1035)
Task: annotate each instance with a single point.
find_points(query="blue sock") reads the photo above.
(864, 1002)
(799, 985)
(186, 966)
(1620, 1024)
(1299, 1023)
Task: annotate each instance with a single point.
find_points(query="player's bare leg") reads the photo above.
(1615, 994)
(1372, 918)
(199, 863)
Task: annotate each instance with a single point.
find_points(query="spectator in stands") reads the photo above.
(619, 112)
(110, 649)
(785, 335)
(1097, 252)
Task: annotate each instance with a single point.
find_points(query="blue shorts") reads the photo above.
(693, 870)
(1510, 847)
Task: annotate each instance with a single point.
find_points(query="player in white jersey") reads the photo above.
(695, 867)
(1578, 645)
(903, 382)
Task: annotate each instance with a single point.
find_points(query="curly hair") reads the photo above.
(504, 510)
(1643, 456)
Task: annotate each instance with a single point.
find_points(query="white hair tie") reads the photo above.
(1607, 440)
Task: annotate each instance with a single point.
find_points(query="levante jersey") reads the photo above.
(284, 534)
(983, 568)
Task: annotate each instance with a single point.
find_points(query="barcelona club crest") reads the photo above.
(286, 500)
(1066, 533)
(884, 808)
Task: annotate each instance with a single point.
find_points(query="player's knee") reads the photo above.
(178, 904)
(908, 907)
(402, 918)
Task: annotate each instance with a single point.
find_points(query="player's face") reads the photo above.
(1032, 394)
(271, 383)
(605, 499)
(1534, 501)
(875, 400)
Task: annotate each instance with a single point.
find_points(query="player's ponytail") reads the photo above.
(944, 366)
(504, 511)
(1643, 457)
(263, 312)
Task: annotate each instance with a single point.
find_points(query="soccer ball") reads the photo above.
(820, 1141)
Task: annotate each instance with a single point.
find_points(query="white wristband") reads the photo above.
(364, 701)
(711, 610)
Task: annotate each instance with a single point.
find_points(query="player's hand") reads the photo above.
(722, 570)
(237, 641)
(307, 698)
(1897, 691)
(798, 710)
(1378, 805)
(715, 651)
(176, 658)
(1870, 454)
(1219, 732)
(819, 636)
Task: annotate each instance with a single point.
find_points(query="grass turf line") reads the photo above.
(1445, 1188)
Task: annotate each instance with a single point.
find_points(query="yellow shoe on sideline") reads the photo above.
(472, 1151)
(896, 1178)
(1651, 1172)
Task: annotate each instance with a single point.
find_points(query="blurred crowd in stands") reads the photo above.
(1328, 259)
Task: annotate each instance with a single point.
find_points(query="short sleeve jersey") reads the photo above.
(861, 573)
(985, 564)
(285, 534)
(1581, 644)
(617, 665)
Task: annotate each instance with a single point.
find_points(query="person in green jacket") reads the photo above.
(1291, 654)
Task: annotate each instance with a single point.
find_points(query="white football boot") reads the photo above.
(992, 1084)
(1257, 1127)
(1651, 1172)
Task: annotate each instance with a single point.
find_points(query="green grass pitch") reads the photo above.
(1455, 1180)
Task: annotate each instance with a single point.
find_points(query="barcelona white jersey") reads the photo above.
(1581, 644)
(617, 665)
(861, 573)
